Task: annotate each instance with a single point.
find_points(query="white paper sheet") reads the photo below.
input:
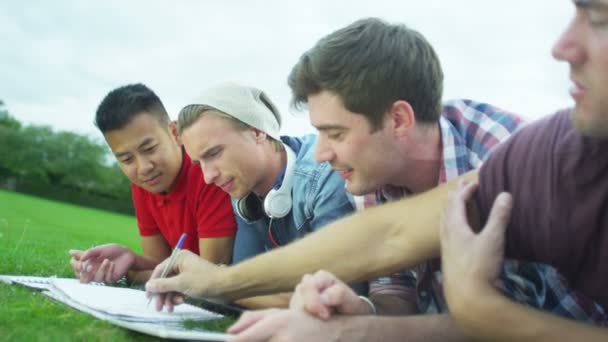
(124, 307)
(125, 303)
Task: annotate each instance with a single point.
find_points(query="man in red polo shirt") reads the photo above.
(169, 192)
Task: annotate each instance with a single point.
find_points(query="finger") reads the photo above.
(343, 299)
(100, 274)
(454, 216)
(169, 302)
(500, 214)
(87, 274)
(75, 264)
(75, 261)
(91, 253)
(263, 329)
(247, 319)
(297, 299)
(109, 274)
(158, 270)
(164, 285)
(310, 298)
(324, 279)
(454, 211)
(336, 294)
(466, 188)
(159, 301)
(463, 194)
(76, 253)
(177, 298)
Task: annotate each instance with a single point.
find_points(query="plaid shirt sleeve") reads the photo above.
(543, 287)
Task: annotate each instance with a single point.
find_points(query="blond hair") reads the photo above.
(191, 113)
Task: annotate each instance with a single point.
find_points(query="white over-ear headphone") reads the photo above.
(277, 203)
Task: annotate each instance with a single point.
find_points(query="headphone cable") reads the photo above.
(270, 234)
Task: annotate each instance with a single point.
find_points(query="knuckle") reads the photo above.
(325, 274)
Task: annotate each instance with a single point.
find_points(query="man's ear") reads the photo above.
(175, 133)
(258, 135)
(402, 117)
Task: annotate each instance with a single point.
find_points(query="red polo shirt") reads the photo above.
(193, 207)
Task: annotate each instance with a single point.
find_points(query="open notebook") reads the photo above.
(123, 307)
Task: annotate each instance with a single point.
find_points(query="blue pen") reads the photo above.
(169, 264)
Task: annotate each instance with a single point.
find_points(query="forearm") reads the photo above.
(141, 269)
(145, 263)
(138, 277)
(492, 317)
(349, 248)
(280, 300)
(387, 329)
(217, 250)
(374, 242)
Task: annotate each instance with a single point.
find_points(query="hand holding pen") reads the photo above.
(187, 281)
(169, 265)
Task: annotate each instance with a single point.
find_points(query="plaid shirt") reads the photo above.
(469, 131)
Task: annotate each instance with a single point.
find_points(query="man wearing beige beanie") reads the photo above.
(280, 193)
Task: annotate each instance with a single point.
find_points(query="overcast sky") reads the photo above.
(59, 58)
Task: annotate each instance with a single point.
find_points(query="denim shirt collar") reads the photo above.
(295, 144)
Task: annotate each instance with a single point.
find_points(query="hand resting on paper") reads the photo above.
(106, 263)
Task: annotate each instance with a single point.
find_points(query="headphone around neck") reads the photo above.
(277, 202)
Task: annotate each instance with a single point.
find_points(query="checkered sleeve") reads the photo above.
(543, 287)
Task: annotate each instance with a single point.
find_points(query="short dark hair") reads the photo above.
(370, 64)
(122, 104)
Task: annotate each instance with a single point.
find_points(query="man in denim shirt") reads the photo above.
(232, 132)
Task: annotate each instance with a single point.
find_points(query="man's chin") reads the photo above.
(358, 189)
(588, 126)
(156, 188)
(238, 194)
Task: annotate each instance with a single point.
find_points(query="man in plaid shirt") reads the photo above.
(374, 93)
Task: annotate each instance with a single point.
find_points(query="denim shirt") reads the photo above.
(318, 195)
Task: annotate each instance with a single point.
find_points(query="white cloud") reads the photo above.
(61, 57)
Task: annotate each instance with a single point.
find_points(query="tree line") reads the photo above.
(60, 165)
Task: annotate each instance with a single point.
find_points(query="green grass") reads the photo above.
(35, 236)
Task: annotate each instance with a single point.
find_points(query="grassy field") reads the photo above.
(35, 235)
